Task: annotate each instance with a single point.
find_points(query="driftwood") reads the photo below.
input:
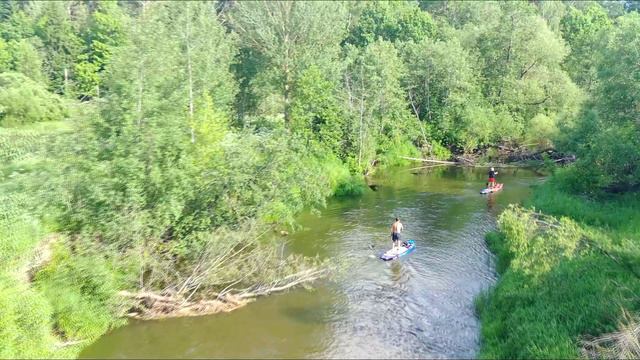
(431, 161)
(70, 343)
(427, 167)
(459, 163)
(150, 305)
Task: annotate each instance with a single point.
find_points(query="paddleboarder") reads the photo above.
(396, 229)
(492, 178)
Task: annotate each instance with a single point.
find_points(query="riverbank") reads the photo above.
(569, 273)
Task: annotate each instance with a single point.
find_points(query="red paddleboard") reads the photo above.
(498, 187)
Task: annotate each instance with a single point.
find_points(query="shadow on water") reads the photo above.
(418, 306)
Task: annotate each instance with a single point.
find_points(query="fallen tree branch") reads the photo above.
(427, 167)
(69, 343)
(149, 305)
(429, 160)
(154, 306)
(291, 281)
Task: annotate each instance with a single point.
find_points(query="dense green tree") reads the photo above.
(5, 56)
(581, 29)
(104, 32)
(391, 21)
(24, 101)
(607, 138)
(378, 117)
(16, 24)
(316, 111)
(26, 59)
(290, 35)
(552, 12)
(208, 52)
(444, 94)
(520, 62)
(60, 44)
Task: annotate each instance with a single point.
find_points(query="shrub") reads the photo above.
(80, 289)
(25, 328)
(24, 101)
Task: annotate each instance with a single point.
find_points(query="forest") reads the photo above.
(156, 150)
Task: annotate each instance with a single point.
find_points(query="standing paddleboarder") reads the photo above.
(396, 229)
(492, 178)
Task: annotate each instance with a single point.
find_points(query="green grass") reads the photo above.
(563, 282)
(80, 291)
(618, 213)
(68, 300)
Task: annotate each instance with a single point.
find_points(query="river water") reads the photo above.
(420, 306)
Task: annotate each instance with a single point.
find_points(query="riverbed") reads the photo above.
(420, 306)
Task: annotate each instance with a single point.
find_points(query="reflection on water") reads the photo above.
(418, 306)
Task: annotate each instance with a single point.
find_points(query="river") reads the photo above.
(421, 306)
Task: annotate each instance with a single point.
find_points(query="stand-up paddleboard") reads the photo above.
(405, 248)
(498, 187)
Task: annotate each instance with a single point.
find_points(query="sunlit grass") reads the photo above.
(561, 282)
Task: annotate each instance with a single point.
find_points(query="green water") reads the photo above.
(416, 307)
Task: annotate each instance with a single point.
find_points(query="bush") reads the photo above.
(24, 101)
(25, 328)
(81, 290)
(351, 187)
(392, 156)
(438, 152)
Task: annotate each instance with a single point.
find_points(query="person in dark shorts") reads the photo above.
(492, 178)
(396, 229)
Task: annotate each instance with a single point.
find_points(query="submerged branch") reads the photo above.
(150, 305)
(431, 161)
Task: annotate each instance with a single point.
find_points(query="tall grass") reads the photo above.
(616, 212)
(564, 277)
(67, 301)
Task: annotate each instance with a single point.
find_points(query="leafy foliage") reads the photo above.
(606, 138)
(142, 131)
(391, 21)
(24, 101)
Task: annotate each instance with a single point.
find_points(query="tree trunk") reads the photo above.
(509, 48)
(287, 95)
(190, 72)
(428, 91)
(362, 107)
(140, 92)
(66, 80)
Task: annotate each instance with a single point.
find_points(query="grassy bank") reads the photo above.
(47, 299)
(570, 271)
